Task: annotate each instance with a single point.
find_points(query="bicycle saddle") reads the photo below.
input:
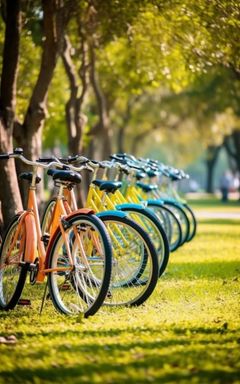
(108, 186)
(63, 175)
(147, 187)
(28, 176)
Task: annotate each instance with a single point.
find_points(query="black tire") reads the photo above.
(170, 224)
(154, 229)
(182, 217)
(12, 280)
(77, 286)
(136, 288)
(193, 221)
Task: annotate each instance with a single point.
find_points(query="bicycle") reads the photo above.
(169, 195)
(134, 256)
(112, 200)
(167, 218)
(78, 281)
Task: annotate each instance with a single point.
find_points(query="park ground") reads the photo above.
(187, 332)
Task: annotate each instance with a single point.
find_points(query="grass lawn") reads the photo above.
(188, 331)
(215, 204)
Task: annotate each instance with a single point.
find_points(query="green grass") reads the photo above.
(188, 331)
(215, 203)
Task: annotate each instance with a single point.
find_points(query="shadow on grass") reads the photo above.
(219, 221)
(216, 329)
(182, 360)
(133, 372)
(207, 270)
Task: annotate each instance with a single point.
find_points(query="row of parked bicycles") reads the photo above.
(111, 252)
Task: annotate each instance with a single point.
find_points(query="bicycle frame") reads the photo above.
(34, 249)
(95, 202)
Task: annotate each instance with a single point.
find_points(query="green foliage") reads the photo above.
(188, 331)
(179, 59)
(55, 132)
(29, 65)
(190, 48)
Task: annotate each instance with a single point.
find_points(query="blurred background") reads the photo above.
(158, 79)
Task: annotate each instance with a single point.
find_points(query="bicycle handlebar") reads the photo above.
(4, 156)
(46, 163)
(18, 154)
(123, 162)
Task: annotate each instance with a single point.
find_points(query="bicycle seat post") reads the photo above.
(34, 176)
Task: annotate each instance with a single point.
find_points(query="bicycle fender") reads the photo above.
(81, 211)
(112, 213)
(156, 202)
(31, 238)
(127, 206)
(172, 202)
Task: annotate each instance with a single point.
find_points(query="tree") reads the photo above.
(212, 153)
(232, 146)
(13, 22)
(28, 132)
(96, 24)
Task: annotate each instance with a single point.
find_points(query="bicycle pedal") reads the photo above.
(24, 302)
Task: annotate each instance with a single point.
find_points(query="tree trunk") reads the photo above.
(121, 135)
(29, 135)
(121, 139)
(236, 141)
(9, 192)
(212, 156)
(135, 144)
(232, 146)
(75, 118)
(122, 130)
(101, 134)
(140, 137)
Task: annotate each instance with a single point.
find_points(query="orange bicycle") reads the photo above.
(77, 258)
(135, 264)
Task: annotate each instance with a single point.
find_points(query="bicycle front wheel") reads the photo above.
(135, 265)
(13, 271)
(81, 267)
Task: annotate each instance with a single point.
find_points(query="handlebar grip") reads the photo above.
(117, 158)
(69, 159)
(99, 163)
(46, 159)
(4, 156)
(18, 151)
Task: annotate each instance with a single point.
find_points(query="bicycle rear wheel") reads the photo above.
(135, 265)
(13, 271)
(169, 222)
(182, 217)
(192, 220)
(151, 224)
(80, 278)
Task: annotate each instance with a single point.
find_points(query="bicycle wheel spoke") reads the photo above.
(89, 276)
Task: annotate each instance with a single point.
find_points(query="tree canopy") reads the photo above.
(98, 76)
